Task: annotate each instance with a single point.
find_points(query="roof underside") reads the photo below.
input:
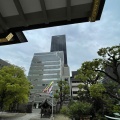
(47, 103)
(19, 15)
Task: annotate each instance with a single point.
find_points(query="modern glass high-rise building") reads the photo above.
(58, 43)
(45, 67)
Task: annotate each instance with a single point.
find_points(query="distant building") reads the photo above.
(75, 89)
(58, 43)
(3, 63)
(110, 72)
(107, 80)
(74, 86)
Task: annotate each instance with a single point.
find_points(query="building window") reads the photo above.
(75, 92)
(75, 81)
(39, 62)
(66, 79)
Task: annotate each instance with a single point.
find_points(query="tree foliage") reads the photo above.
(65, 110)
(62, 92)
(77, 109)
(88, 77)
(87, 74)
(116, 109)
(107, 68)
(111, 60)
(104, 70)
(14, 86)
(96, 90)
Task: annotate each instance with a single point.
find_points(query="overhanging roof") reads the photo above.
(12, 38)
(19, 15)
(47, 103)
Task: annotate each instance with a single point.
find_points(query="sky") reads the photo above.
(83, 39)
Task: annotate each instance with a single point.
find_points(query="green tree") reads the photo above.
(110, 68)
(107, 104)
(100, 100)
(92, 72)
(77, 110)
(65, 110)
(97, 90)
(88, 77)
(63, 92)
(106, 68)
(14, 87)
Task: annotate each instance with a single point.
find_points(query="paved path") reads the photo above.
(35, 115)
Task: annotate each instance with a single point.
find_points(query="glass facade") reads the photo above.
(58, 43)
(45, 67)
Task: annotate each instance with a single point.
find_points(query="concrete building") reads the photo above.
(105, 81)
(3, 63)
(45, 67)
(74, 85)
(110, 70)
(112, 73)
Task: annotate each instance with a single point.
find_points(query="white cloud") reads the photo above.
(83, 40)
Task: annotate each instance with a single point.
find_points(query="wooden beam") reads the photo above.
(68, 10)
(7, 38)
(95, 8)
(42, 2)
(3, 23)
(20, 11)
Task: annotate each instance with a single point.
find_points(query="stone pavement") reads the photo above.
(29, 116)
(22, 116)
(10, 116)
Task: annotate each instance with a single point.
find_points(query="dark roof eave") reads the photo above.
(101, 6)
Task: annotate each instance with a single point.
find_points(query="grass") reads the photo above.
(60, 117)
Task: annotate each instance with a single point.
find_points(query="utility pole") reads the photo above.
(52, 102)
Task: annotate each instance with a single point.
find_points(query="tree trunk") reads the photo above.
(2, 100)
(61, 97)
